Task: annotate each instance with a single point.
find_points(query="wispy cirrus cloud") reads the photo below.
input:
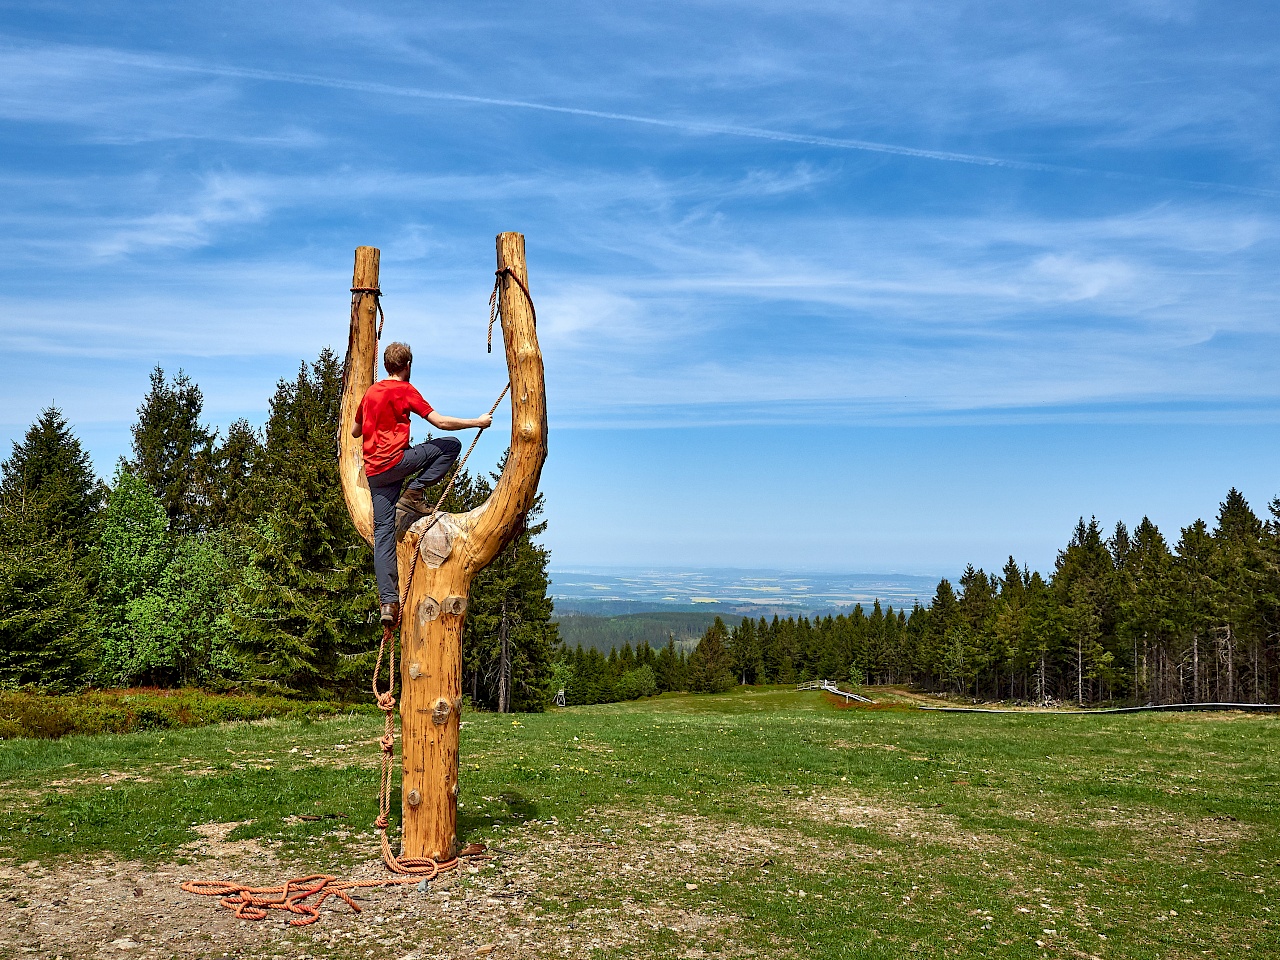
(86, 57)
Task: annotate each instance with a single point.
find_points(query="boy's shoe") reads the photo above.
(414, 501)
(391, 614)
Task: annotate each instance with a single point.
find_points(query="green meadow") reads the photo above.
(763, 822)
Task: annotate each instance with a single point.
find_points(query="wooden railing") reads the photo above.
(830, 686)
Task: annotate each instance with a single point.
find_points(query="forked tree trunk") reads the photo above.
(433, 614)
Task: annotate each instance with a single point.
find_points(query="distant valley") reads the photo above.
(605, 609)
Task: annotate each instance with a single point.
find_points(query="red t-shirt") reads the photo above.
(383, 416)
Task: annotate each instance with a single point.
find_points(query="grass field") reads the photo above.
(759, 823)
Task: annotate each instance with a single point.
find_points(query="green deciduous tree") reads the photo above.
(163, 599)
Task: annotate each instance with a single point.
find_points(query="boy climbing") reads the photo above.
(382, 420)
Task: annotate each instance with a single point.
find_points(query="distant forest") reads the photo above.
(607, 633)
(1121, 618)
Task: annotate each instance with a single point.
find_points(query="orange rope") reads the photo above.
(254, 903)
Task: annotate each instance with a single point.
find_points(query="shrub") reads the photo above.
(637, 683)
(49, 716)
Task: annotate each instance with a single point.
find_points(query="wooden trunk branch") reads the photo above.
(435, 609)
(359, 373)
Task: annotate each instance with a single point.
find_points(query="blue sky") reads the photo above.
(833, 286)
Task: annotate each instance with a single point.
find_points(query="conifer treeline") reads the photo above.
(1124, 618)
(218, 559)
(591, 677)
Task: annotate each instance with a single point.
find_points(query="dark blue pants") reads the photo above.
(430, 461)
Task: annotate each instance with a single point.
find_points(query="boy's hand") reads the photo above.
(485, 422)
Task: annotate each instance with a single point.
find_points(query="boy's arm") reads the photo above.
(440, 421)
(357, 428)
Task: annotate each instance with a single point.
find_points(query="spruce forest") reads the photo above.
(229, 562)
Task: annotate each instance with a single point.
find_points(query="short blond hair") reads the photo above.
(397, 357)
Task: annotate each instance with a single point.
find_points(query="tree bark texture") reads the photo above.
(358, 374)
(433, 613)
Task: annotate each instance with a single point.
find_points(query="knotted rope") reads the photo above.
(494, 308)
(357, 294)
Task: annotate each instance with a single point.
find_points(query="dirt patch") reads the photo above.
(551, 893)
(213, 842)
(859, 745)
(1158, 829)
(893, 820)
(24, 796)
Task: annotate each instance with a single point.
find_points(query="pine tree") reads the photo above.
(1044, 639)
(308, 597)
(47, 624)
(1266, 665)
(942, 614)
(1008, 612)
(744, 652)
(710, 668)
(977, 608)
(1081, 583)
(510, 638)
(1146, 609)
(1240, 571)
(665, 669)
(234, 487)
(50, 469)
(49, 502)
(173, 451)
(1199, 609)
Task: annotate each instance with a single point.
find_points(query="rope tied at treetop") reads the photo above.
(357, 292)
(493, 301)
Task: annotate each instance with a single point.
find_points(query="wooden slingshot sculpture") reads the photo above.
(453, 550)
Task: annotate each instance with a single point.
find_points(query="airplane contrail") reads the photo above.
(688, 126)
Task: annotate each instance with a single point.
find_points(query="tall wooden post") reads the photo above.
(450, 554)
